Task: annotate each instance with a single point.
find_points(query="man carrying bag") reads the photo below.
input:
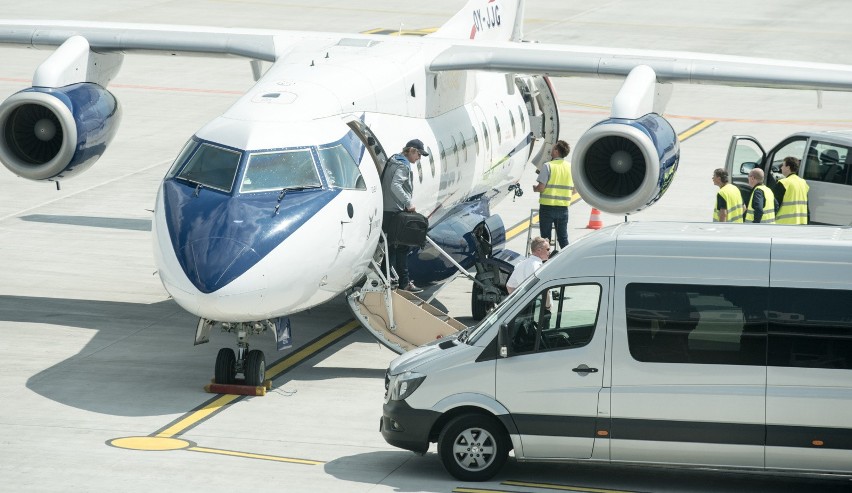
(401, 223)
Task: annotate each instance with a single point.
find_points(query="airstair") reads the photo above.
(399, 319)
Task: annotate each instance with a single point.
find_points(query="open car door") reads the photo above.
(744, 154)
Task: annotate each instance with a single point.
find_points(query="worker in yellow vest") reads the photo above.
(792, 194)
(729, 200)
(556, 186)
(762, 203)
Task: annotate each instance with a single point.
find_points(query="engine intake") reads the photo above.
(51, 133)
(621, 166)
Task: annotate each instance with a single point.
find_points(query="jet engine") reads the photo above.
(621, 165)
(52, 133)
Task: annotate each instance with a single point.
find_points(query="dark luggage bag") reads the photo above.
(408, 228)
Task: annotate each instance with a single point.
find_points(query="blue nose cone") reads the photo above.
(212, 263)
(217, 237)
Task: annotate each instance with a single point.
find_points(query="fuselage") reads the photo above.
(276, 205)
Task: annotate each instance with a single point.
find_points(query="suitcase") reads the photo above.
(408, 229)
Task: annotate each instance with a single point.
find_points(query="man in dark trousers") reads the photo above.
(762, 204)
(556, 185)
(398, 187)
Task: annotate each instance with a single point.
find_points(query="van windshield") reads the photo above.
(482, 327)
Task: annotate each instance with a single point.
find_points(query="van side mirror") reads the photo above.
(746, 167)
(502, 337)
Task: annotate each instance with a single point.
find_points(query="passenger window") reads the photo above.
(810, 328)
(674, 323)
(341, 171)
(558, 318)
(826, 162)
(497, 131)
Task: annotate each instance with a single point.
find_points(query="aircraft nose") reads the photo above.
(212, 263)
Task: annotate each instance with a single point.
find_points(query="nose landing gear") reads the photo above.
(251, 363)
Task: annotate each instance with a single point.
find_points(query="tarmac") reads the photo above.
(102, 388)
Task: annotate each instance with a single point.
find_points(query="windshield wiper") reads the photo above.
(462, 337)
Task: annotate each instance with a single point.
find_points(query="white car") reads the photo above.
(825, 158)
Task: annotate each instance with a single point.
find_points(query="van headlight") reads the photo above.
(403, 385)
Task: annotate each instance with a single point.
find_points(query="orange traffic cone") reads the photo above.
(595, 220)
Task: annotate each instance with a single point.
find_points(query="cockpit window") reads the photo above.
(212, 166)
(267, 171)
(184, 154)
(340, 169)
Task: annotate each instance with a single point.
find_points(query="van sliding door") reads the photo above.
(809, 381)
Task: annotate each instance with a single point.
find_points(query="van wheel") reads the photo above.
(473, 447)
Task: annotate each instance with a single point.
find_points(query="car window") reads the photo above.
(559, 317)
(826, 162)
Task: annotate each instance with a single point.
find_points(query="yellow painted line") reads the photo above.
(702, 125)
(309, 350)
(215, 405)
(480, 490)
(255, 456)
(563, 487)
(522, 226)
(193, 418)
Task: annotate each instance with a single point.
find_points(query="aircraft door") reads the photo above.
(374, 147)
(367, 220)
(554, 372)
(744, 154)
(544, 125)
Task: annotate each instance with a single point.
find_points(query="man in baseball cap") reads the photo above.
(398, 188)
(416, 144)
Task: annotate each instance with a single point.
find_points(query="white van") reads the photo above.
(703, 344)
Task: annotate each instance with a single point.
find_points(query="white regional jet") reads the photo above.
(291, 171)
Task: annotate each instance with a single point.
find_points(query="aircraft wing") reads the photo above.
(111, 37)
(669, 66)
(510, 57)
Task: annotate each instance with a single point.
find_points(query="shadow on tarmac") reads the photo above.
(140, 360)
(426, 473)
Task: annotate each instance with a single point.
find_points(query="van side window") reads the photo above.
(826, 162)
(677, 323)
(566, 320)
(810, 328)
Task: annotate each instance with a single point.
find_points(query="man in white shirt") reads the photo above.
(539, 252)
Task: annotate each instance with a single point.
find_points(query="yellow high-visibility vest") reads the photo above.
(734, 200)
(560, 186)
(794, 208)
(768, 206)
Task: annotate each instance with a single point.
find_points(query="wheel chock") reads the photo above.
(221, 388)
(238, 388)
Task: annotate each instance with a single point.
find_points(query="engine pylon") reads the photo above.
(595, 220)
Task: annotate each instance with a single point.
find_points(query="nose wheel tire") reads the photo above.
(473, 447)
(226, 366)
(255, 369)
